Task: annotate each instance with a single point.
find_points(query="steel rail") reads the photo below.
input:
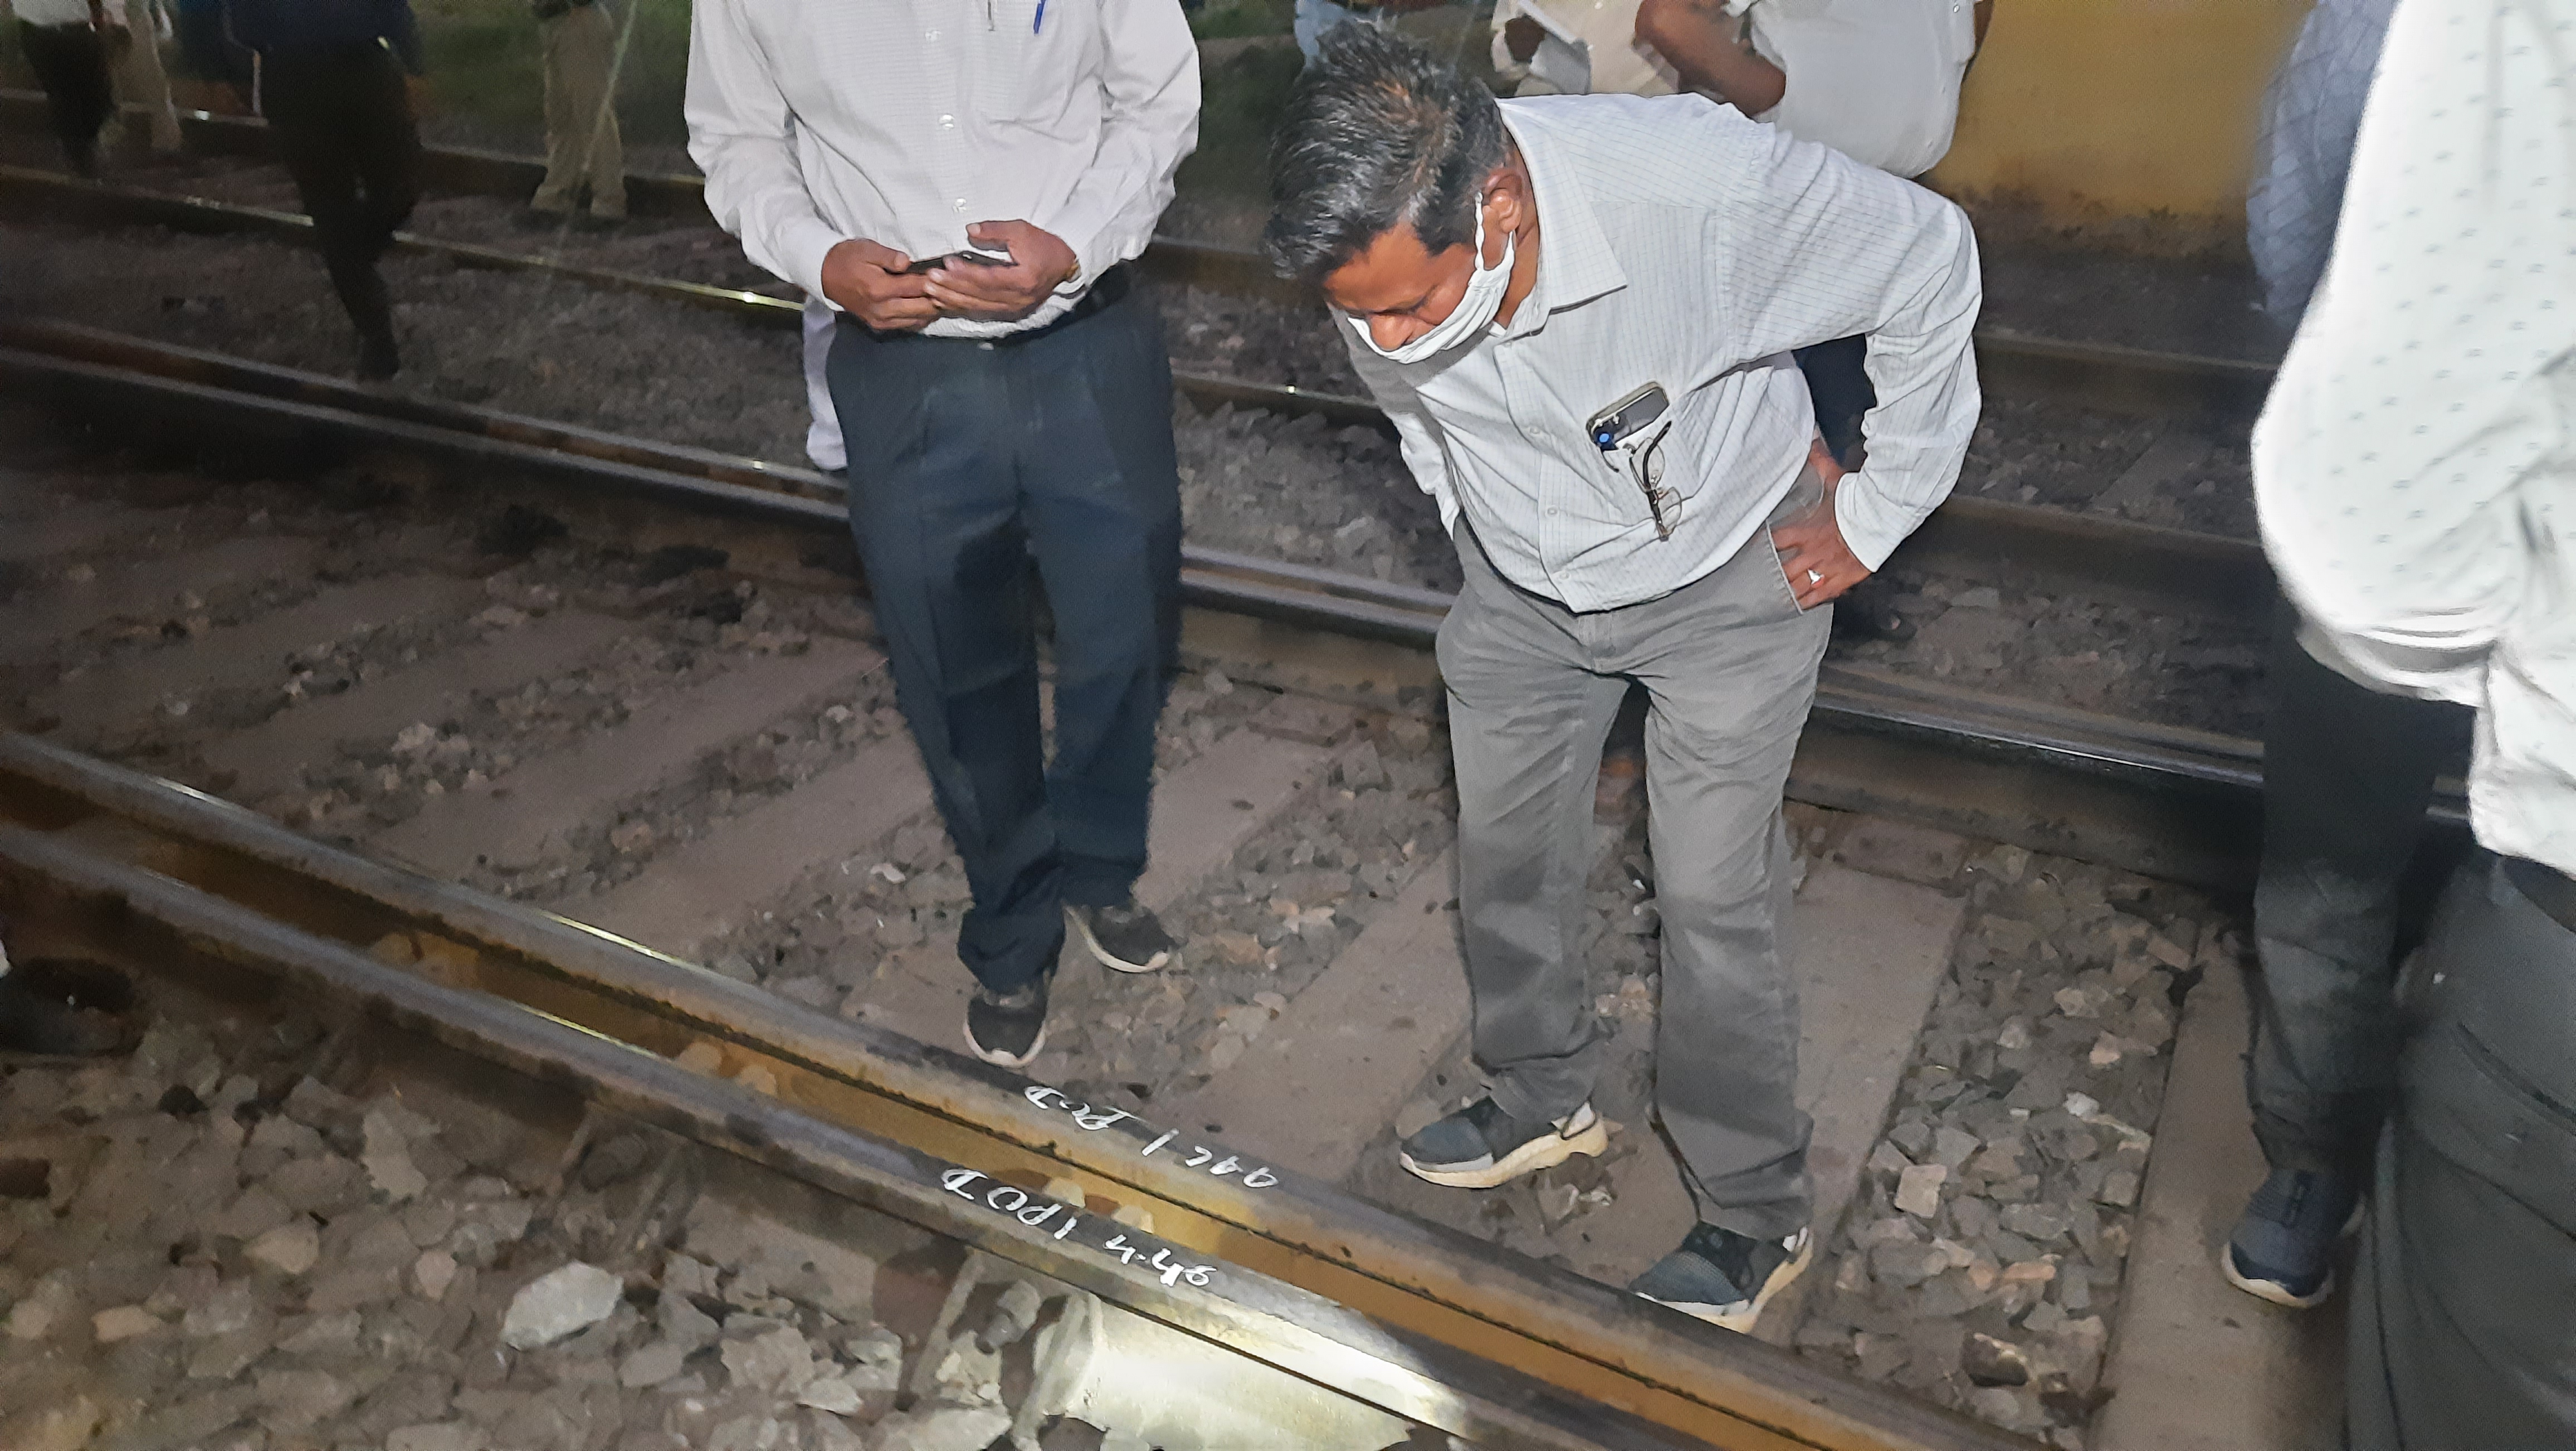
(2089, 374)
(2008, 543)
(1243, 1311)
(153, 844)
(90, 360)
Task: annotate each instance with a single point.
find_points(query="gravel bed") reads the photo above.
(2112, 659)
(523, 344)
(204, 1248)
(1982, 1264)
(1338, 498)
(1259, 928)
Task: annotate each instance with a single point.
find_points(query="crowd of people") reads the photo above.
(1682, 356)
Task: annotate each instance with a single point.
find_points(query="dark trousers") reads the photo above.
(1838, 384)
(2347, 774)
(969, 462)
(344, 129)
(70, 62)
(2463, 1330)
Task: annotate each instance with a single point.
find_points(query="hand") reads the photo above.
(1812, 543)
(1040, 261)
(867, 280)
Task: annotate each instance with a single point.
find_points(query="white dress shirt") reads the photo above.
(1877, 80)
(2415, 467)
(905, 121)
(1681, 244)
(65, 12)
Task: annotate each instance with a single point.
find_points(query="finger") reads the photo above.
(993, 284)
(996, 234)
(878, 255)
(902, 311)
(900, 284)
(984, 304)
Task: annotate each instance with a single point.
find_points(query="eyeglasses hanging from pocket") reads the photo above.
(1645, 461)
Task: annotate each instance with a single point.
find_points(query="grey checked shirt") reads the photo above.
(2310, 116)
(1684, 245)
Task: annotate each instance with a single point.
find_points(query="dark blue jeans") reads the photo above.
(2347, 774)
(970, 463)
(1838, 384)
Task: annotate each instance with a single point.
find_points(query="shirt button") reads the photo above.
(930, 35)
(961, 204)
(1551, 513)
(947, 123)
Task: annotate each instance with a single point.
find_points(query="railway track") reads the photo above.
(2093, 374)
(123, 866)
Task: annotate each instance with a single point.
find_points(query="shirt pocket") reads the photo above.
(1033, 63)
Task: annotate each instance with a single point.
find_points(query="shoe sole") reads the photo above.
(1104, 956)
(2272, 1290)
(1529, 1158)
(1000, 1059)
(1742, 1321)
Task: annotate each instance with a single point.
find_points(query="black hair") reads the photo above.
(1377, 134)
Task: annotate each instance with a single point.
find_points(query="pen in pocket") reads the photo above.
(1040, 22)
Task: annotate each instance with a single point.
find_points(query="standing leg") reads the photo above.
(1529, 711)
(2347, 774)
(596, 61)
(2461, 1334)
(70, 63)
(1104, 508)
(822, 435)
(566, 136)
(936, 511)
(310, 111)
(141, 80)
(1730, 667)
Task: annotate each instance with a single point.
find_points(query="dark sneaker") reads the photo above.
(1481, 1146)
(32, 1021)
(1723, 1277)
(378, 358)
(2283, 1248)
(1007, 1028)
(1125, 939)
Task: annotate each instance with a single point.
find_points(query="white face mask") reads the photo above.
(1476, 309)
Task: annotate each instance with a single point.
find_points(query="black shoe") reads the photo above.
(598, 225)
(538, 219)
(1723, 1277)
(2284, 1245)
(1009, 1028)
(378, 358)
(32, 1022)
(1125, 939)
(1480, 1146)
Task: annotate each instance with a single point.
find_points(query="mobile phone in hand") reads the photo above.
(973, 257)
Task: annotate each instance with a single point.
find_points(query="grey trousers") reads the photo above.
(2463, 1330)
(1729, 665)
(2347, 773)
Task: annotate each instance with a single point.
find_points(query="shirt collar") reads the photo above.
(1575, 263)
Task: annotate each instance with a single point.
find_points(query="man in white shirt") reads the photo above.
(965, 180)
(2418, 501)
(70, 44)
(2347, 771)
(1577, 311)
(1877, 80)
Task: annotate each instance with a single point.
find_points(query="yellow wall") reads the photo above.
(2132, 120)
